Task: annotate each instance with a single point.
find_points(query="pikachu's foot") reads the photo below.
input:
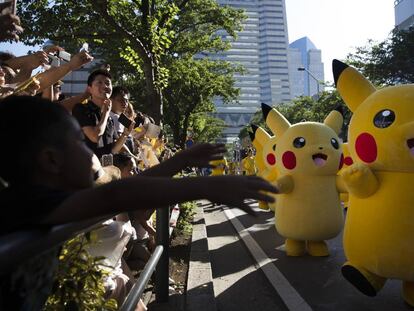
(295, 248)
(272, 207)
(408, 292)
(318, 248)
(365, 281)
(263, 205)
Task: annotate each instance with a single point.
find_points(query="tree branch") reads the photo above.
(102, 7)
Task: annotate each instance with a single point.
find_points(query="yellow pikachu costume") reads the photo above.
(347, 161)
(308, 157)
(265, 158)
(219, 167)
(379, 229)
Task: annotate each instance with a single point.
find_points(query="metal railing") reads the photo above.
(19, 246)
(137, 290)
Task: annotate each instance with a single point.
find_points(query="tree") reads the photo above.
(146, 34)
(192, 87)
(389, 62)
(306, 108)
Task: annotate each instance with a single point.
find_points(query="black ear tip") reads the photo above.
(254, 129)
(252, 136)
(340, 109)
(265, 109)
(337, 68)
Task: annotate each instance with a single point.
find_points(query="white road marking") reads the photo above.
(287, 292)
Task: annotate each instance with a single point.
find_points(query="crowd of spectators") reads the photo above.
(75, 158)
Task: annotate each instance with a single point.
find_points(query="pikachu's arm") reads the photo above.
(285, 184)
(340, 184)
(360, 180)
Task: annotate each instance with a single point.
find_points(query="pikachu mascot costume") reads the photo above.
(265, 158)
(379, 229)
(347, 161)
(308, 157)
(219, 167)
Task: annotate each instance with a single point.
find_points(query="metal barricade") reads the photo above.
(137, 290)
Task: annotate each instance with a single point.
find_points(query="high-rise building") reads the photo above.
(262, 49)
(305, 68)
(404, 14)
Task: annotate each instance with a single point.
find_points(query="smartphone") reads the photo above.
(123, 119)
(153, 130)
(64, 55)
(107, 160)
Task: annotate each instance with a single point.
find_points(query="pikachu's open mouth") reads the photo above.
(410, 144)
(319, 159)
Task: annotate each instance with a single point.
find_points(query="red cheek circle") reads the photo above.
(366, 147)
(289, 160)
(348, 161)
(341, 161)
(271, 159)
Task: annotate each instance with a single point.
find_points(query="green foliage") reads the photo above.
(79, 281)
(388, 62)
(189, 98)
(187, 211)
(307, 109)
(205, 128)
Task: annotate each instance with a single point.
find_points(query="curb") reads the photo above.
(200, 291)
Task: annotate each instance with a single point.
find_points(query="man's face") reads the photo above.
(129, 170)
(101, 87)
(120, 103)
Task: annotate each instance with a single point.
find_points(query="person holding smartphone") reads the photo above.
(95, 119)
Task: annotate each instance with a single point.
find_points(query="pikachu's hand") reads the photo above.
(360, 180)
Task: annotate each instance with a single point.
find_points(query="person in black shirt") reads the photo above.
(94, 117)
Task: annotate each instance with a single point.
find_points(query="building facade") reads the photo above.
(306, 69)
(262, 49)
(404, 14)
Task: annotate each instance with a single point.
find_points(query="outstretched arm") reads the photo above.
(360, 180)
(141, 192)
(197, 156)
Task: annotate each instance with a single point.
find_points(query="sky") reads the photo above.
(336, 27)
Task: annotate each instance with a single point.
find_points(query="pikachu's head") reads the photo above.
(265, 148)
(306, 148)
(381, 131)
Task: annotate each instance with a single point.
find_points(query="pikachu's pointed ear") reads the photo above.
(259, 136)
(352, 85)
(335, 120)
(277, 123)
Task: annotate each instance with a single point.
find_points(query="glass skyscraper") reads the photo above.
(262, 49)
(303, 54)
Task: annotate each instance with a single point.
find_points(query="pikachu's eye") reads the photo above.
(274, 147)
(299, 142)
(384, 118)
(334, 143)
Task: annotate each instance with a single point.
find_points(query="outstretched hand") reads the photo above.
(234, 190)
(201, 155)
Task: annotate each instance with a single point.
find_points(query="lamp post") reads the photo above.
(316, 79)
